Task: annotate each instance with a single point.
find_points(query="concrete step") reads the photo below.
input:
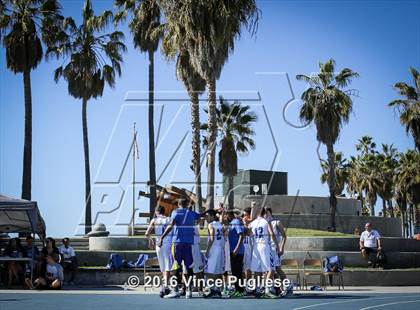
(349, 259)
(363, 277)
(292, 244)
(76, 242)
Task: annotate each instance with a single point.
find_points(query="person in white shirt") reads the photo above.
(198, 267)
(215, 252)
(370, 243)
(261, 263)
(68, 259)
(164, 252)
(281, 237)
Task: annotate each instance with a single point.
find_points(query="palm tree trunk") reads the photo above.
(372, 208)
(196, 147)
(88, 208)
(332, 184)
(27, 149)
(390, 208)
(211, 134)
(230, 193)
(412, 220)
(152, 160)
(363, 203)
(417, 218)
(383, 207)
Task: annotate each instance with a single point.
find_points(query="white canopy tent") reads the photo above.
(20, 216)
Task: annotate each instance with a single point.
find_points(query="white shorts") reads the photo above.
(198, 264)
(215, 261)
(261, 258)
(165, 258)
(227, 267)
(247, 258)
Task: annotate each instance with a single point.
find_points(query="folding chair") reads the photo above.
(313, 267)
(330, 275)
(292, 269)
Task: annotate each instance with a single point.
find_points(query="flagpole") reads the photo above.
(134, 179)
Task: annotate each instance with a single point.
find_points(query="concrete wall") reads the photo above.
(387, 227)
(134, 244)
(303, 205)
(117, 243)
(313, 213)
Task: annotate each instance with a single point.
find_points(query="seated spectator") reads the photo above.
(69, 261)
(14, 269)
(48, 249)
(53, 277)
(31, 251)
(370, 243)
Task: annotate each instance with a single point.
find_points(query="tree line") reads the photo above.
(199, 36)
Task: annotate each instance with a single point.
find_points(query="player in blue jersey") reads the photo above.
(182, 223)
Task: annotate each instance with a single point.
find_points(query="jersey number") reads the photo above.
(259, 232)
(218, 234)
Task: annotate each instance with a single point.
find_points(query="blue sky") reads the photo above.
(378, 39)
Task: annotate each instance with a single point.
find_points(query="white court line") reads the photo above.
(352, 300)
(390, 304)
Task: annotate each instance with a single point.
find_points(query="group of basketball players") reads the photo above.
(242, 257)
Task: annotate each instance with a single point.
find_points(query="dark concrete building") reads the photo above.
(268, 182)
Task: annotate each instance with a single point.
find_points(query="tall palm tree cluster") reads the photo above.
(198, 34)
(388, 174)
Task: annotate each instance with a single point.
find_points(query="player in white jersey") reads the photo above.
(215, 252)
(262, 263)
(164, 252)
(198, 264)
(281, 237)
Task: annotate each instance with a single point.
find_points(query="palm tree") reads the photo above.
(95, 59)
(341, 172)
(195, 86)
(235, 132)
(144, 27)
(369, 171)
(327, 104)
(364, 172)
(354, 181)
(24, 26)
(387, 165)
(409, 107)
(407, 180)
(366, 145)
(209, 44)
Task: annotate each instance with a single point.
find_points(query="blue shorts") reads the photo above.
(182, 252)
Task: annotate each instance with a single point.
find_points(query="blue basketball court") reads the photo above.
(112, 299)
